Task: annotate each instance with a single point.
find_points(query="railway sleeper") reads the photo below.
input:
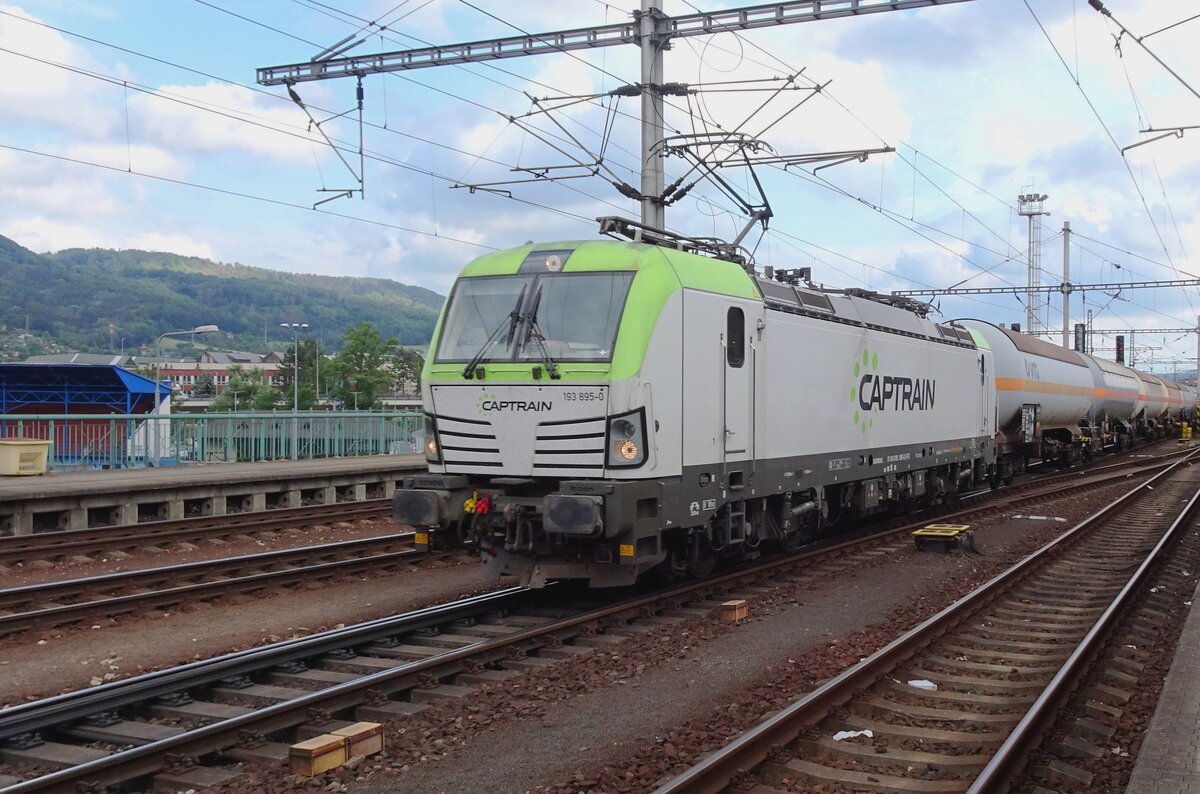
(826, 748)
(876, 758)
(825, 775)
(196, 778)
(883, 708)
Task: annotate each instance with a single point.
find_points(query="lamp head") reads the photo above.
(206, 329)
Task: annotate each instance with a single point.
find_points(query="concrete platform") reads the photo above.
(79, 500)
(1169, 762)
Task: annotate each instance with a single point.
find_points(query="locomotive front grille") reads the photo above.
(468, 444)
(572, 448)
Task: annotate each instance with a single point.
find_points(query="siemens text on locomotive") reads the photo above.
(599, 409)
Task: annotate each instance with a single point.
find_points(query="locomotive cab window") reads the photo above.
(735, 337)
(522, 317)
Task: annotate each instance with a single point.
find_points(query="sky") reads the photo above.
(128, 124)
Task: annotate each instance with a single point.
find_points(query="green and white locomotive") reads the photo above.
(598, 409)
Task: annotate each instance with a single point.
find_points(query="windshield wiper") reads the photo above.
(535, 333)
(512, 319)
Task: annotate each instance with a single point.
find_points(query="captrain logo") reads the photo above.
(876, 393)
(487, 403)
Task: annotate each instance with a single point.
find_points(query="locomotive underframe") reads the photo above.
(611, 532)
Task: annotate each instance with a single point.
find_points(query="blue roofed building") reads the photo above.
(43, 400)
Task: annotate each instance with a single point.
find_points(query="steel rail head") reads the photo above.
(18, 621)
(1009, 759)
(142, 760)
(64, 542)
(59, 709)
(751, 748)
(93, 583)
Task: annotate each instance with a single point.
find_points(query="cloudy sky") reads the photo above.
(140, 125)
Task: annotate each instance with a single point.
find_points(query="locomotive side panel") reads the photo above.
(830, 388)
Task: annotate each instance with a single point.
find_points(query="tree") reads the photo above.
(310, 352)
(360, 367)
(204, 386)
(247, 389)
(406, 370)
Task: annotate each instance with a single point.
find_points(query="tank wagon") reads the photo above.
(1043, 393)
(1057, 405)
(597, 409)
(1117, 405)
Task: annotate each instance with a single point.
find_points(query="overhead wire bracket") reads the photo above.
(313, 123)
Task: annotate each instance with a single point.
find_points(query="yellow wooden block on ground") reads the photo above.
(735, 610)
(941, 537)
(318, 754)
(362, 738)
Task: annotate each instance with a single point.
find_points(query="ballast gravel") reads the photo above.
(623, 718)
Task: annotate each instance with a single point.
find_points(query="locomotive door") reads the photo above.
(718, 390)
(738, 386)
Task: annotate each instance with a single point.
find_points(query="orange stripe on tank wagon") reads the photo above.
(1041, 387)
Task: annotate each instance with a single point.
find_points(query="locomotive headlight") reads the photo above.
(627, 440)
(432, 451)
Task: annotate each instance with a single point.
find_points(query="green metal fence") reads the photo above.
(126, 440)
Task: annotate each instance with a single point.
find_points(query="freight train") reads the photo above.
(598, 410)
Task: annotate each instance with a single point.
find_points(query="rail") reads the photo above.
(568, 622)
(718, 769)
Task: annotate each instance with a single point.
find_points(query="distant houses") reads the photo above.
(183, 375)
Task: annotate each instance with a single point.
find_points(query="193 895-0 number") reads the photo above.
(584, 396)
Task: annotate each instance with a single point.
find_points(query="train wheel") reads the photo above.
(792, 541)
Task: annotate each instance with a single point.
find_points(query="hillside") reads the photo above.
(72, 296)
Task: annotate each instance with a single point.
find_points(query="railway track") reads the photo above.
(55, 546)
(109, 596)
(170, 587)
(246, 706)
(959, 702)
(132, 538)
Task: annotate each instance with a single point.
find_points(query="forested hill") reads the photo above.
(72, 297)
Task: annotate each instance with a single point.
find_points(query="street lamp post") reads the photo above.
(295, 328)
(199, 329)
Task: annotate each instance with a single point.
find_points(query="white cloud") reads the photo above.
(39, 233)
(171, 243)
(41, 92)
(1093, 210)
(213, 118)
(145, 159)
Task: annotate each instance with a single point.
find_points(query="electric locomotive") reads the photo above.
(599, 409)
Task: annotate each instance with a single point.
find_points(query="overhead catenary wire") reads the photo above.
(923, 173)
(895, 216)
(237, 194)
(251, 118)
(330, 11)
(516, 27)
(227, 114)
(1132, 177)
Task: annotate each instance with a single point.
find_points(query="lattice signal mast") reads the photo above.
(1037, 303)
